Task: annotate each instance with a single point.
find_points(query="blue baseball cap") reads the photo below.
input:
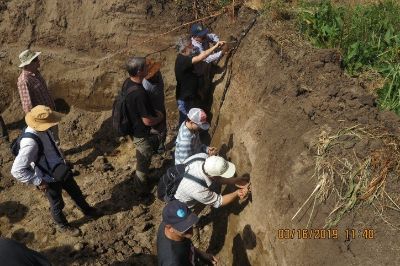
(179, 216)
(198, 30)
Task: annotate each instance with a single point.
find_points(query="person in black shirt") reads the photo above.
(142, 116)
(174, 247)
(13, 253)
(186, 79)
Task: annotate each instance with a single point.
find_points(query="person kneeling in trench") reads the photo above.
(40, 162)
(174, 246)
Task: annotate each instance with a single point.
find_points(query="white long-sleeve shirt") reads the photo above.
(201, 47)
(24, 168)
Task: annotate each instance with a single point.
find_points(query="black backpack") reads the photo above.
(120, 119)
(169, 182)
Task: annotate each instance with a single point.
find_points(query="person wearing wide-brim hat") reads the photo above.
(39, 162)
(153, 84)
(32, 87)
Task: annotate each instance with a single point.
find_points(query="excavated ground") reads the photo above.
(271, 101)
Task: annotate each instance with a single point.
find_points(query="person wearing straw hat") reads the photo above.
(174, 245)
(32, 87)
(39, 162)
(153, 84)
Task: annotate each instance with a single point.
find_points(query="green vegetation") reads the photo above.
(367, 35)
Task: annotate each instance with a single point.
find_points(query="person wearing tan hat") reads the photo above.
(32, 87)
(39, 162)
(153, 84)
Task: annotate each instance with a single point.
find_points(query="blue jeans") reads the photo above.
(184, 106)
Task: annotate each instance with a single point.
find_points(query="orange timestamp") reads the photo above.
(322, 233)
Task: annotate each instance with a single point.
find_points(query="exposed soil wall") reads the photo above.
(281, 95)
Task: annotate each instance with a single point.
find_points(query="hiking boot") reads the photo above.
(93, 213)
(68, 229)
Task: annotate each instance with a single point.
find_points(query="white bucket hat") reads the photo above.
(27, 56)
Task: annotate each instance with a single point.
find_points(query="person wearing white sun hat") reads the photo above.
(206, 170)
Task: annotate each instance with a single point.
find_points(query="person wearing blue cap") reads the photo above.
(201, 40)
(174, 247)
(187, 82)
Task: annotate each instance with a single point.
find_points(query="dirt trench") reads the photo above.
(273, 98)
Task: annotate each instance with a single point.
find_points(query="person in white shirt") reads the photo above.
(39, 162)
(209, 169)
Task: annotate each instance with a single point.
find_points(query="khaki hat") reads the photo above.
(152, 68)
(27, 56)
(41, 118)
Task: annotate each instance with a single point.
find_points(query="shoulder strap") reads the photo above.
(54, 144)
(194, 160)
(195, 179)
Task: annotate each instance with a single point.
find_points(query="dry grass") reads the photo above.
(352, 181)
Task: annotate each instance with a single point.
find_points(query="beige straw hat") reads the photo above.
(27, 56)
(41, 118)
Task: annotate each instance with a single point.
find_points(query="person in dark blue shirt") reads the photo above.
(174, 247)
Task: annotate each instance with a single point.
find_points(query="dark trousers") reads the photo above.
(54, 195)
(3, 129)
